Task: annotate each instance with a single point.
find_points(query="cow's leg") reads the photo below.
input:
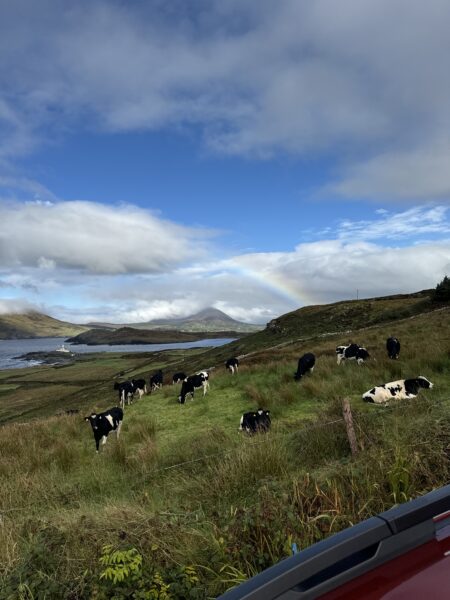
(232, 369)
(119, 427)
(103, 440)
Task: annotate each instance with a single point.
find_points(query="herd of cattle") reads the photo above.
(255, 421)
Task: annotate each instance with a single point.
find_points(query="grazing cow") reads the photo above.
(103, 423)
(205, 376)
(393, 347)
(177, 377)
(126, 391)
(156, 381)
(255, 422)
(191, 383)
(305, 364)
(232, 364)
(351, 352)
(139, 386)
(397, 390)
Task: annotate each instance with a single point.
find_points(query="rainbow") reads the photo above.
(281, 285)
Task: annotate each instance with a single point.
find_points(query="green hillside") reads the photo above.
(35, 325)
(129, 335)
(340, 317)
(192, 506)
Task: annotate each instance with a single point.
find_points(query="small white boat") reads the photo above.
(62, 348)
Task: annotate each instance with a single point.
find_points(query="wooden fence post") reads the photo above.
(347, 414)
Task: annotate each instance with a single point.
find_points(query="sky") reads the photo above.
(160, 157)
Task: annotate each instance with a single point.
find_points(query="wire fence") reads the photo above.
(284, 434)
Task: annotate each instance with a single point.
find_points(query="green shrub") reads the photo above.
(442, 291)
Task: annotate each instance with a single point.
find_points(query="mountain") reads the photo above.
(35, 325)
(209, 319)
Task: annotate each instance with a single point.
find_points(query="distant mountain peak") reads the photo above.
(208, 313)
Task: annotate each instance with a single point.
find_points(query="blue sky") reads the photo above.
(257, 156)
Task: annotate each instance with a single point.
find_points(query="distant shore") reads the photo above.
(129, 335)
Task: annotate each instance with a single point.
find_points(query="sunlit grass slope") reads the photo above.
(202, 505)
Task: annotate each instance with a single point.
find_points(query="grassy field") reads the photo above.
(182, 506)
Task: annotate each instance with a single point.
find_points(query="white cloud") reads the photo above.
(331, 270)
(95, 238)
(419, 172)
(17, 306)
(362, 80)
(389, 254)
(411, 223)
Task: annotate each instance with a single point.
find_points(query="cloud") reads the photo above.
(94, 238)
(413, 223)
(414, 173)
(389, 254)
(332, 270)
(365, 82)
(17, 306)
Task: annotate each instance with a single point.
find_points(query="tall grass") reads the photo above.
(183, 487)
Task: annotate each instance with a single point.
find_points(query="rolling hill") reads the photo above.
(34, 325)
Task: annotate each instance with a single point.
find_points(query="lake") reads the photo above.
(10, 349)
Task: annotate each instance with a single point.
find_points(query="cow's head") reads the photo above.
(424, 383)
(92, 419)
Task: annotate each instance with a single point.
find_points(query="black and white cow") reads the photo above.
(232, 364)
(305, 365)
(396, 390)
(177, 377)
(205, 375)
(139, 386)
(126, 391)
(393, 347)
(103, 423)
(255, 422)
(351, 352)
(191, 383)
(156, 381)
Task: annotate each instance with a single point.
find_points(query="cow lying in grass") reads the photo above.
(396, 390)
(103, 423)
(255, 422)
